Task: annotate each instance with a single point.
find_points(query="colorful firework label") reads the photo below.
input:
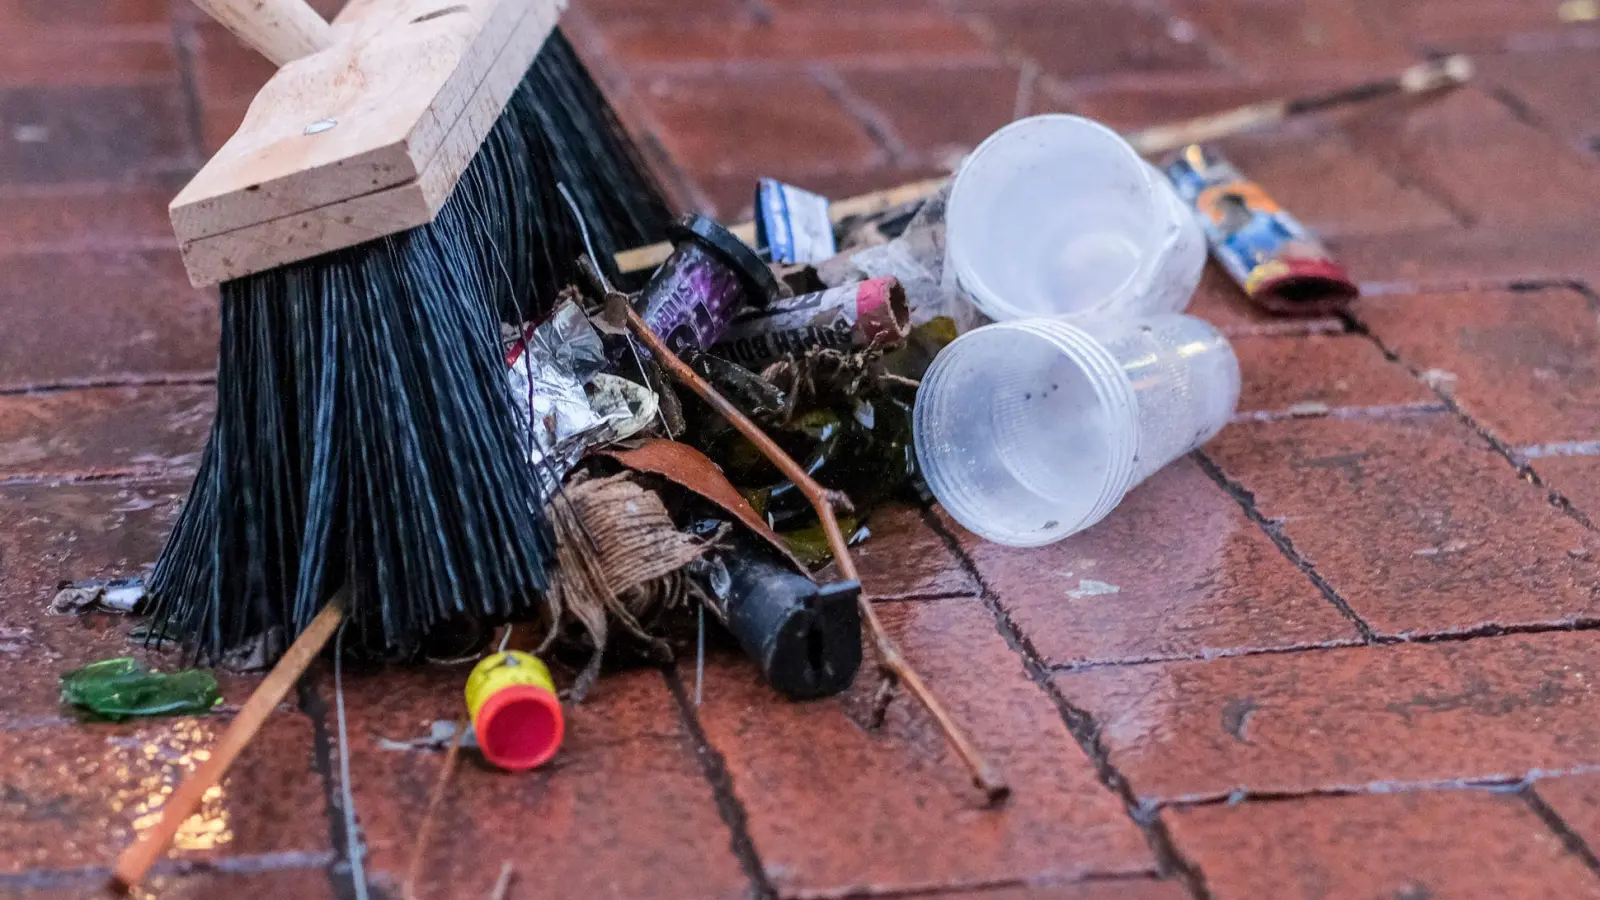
(1278, 261)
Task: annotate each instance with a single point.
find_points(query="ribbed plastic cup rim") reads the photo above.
(956, 225)
(1114, 392)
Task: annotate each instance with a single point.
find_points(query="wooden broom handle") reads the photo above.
(281, 30)
(135, 862)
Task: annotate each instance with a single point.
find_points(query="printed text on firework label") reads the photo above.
(826, 319)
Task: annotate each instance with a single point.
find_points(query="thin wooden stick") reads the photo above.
(1421, 78)
(419, 850)
(135, 862)
(502, 886)
(641, 259)
(825, 502)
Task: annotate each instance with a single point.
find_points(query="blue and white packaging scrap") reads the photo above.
(793, 226)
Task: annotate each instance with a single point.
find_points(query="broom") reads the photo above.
(393, 196)
(364, 436)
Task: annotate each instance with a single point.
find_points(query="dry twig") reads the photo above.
(419, 850)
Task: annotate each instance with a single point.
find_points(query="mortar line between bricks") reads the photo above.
(1497, 783)
(1566, 448)
(1322, 411)
(732, 812)
(636, 115)
(869, 117)
(1573, 841)
(340, 878)
(1285, 545)
(1013, 57)
(246, 864)
(1080, 724)
(1553, 496)
(913, 891)
(1388, 290)
(1072, 668)
(90, 384)
(1404, 177)
(113, 476)
(965, 888)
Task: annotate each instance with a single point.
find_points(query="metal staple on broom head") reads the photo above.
(364, 435)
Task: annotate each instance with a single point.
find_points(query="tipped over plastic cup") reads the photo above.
(1059, 216)
(1031, 431)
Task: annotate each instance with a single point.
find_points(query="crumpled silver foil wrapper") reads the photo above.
(550, 365)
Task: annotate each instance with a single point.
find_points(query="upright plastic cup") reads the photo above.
(1059, 216)
(1034, 430)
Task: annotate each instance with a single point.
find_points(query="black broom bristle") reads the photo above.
(364, 435)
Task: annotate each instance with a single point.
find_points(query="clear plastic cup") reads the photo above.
(1034, 430)
(1059, 216)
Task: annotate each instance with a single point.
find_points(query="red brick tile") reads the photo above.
(1561, 90)
(1471, 149)
(51, 533)
(864, 36)
(91, 133)
(939, 112)
(1332, 189)
(75, 795)
(82, 56)
(1576, 800)
(1576, 478)
(1223, 303)
(1321, 372)
(663, 12)
(1474, 24)
(55, 533)
(1081, 38)
(624, 811)
(834, 807)
(1368, 717)
(87, 216)
(1456, 259)
(730, 125)
(1523, 364)
(1275, 39)
(1449, 844)
(906, 559)
(31, 14)
(90, 316)
(104, 430)
(271, 884)
(1416, 522)
(1176, 571)
(1106, 889)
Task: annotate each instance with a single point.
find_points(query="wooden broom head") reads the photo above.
(363, 132)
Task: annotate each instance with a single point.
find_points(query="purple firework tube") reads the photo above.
(710, 277)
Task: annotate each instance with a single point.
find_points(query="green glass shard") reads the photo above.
(122, 688)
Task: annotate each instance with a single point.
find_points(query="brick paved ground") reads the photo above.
(1350, 656)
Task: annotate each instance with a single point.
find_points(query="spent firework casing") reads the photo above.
(1280, 264)
(854, 316)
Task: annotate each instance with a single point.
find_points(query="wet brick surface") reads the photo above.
(1318, 660)
(834, 805)
(1416, 522)
(1496, 709)
(1447, 844)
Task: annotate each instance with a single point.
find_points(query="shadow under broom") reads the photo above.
(364, 436)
